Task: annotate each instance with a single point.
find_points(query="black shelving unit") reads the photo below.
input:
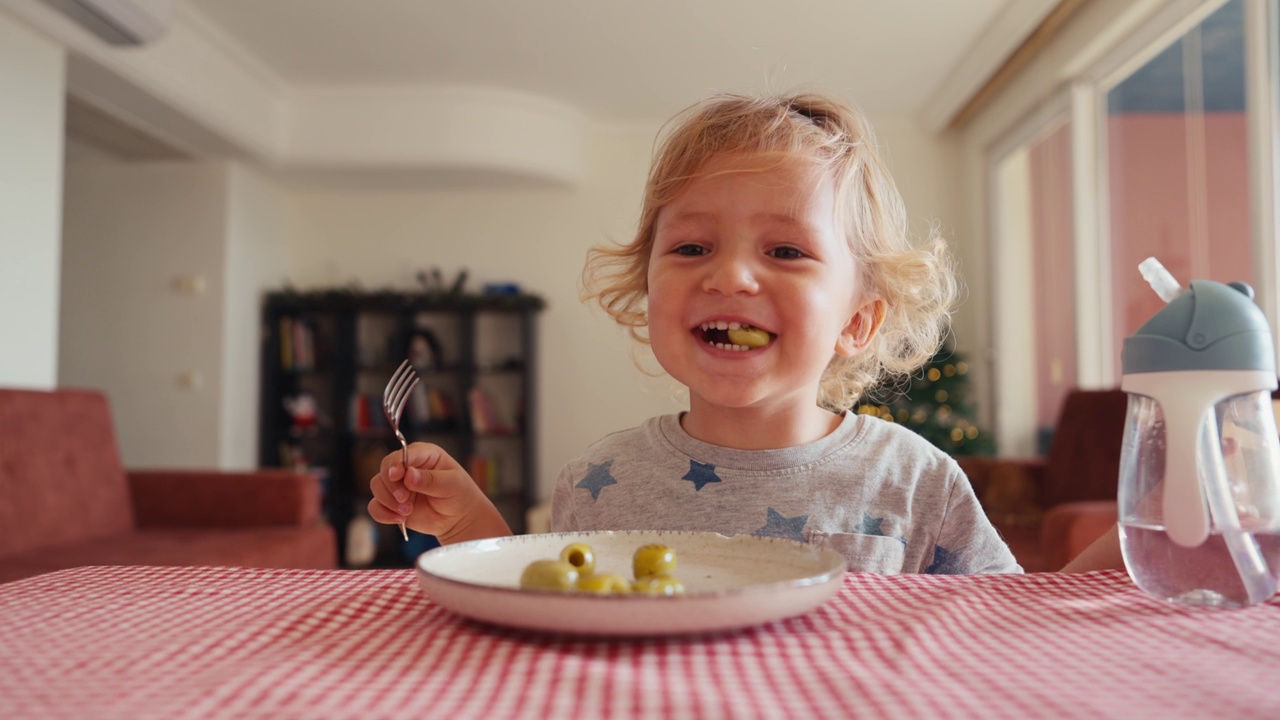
(476, 396)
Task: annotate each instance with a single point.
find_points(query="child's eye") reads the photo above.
(786, 253)
(690, 250)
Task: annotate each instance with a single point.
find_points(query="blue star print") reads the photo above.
(875, 526)
(783, 527)
(701, 474)
(945, 562)
(871, 526)
(597, 478)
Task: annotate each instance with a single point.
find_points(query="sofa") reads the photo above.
(1049, 509)
(67, 501)
(1052, 507)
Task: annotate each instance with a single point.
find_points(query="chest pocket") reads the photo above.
(866, 553)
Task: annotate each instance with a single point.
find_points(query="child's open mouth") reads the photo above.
(734, 336)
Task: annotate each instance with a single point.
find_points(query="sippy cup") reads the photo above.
(1199, 494)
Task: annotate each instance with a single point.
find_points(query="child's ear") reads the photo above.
(862, 327)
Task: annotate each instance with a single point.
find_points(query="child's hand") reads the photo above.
(436, 497)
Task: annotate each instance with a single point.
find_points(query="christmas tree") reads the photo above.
(933, 402)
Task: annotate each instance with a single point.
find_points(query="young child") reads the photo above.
(773, 277)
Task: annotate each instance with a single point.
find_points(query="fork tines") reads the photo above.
(398, 390)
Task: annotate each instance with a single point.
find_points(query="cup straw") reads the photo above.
(1242, 546)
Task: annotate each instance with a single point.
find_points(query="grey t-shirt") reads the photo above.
(880, 494)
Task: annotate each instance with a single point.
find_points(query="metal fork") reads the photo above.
(394, 399)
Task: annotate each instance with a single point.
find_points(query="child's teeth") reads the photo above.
(737, 336)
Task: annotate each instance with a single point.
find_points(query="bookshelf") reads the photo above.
(326, 358)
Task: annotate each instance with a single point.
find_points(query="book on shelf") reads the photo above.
(484, 470)
(297, 344)
(484, 413)
(428, 406)
(439, 406)
(363, 415)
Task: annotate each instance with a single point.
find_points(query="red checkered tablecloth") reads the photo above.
(149, 642)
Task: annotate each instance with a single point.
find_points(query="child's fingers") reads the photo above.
(386, 496)
(386, 515)
(393, 479)
(431, 471)
(420, 455)
(442, 483)
(428, 456)
(380, 513)
(392, 472)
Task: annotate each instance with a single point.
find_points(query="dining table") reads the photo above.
(233, 642)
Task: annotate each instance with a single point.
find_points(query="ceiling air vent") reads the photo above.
(121, 22)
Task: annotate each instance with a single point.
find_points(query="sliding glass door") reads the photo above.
(1165, 147)
(1176, 163)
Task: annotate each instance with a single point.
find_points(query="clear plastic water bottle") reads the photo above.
(1199, 494)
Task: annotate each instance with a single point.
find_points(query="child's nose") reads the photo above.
(731, 274)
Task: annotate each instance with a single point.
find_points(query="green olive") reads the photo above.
(748, 337)
(549, 575)
(653, 560)
(658, 585)
(581, 556)
(604, 584)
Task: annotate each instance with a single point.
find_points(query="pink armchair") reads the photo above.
(66, 500)
(1051, 508)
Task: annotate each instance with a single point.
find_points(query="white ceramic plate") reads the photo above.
(730, 582)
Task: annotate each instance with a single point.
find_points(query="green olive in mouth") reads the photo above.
(749, 337)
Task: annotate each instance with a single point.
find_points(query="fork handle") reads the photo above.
(404, 455)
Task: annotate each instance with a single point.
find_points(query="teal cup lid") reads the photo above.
(1211, 326)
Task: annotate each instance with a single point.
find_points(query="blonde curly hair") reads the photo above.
(918, 285)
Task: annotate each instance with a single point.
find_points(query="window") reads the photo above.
(1164, 145)
(1177, 168)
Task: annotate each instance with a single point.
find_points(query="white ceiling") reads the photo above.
(621, 62)
(507, 89)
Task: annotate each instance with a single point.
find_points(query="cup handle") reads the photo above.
(1186, 514)
(1186, 398)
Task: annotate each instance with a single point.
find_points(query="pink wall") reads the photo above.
(1152, 213)
(1151, 186)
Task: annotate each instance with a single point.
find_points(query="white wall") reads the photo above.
(927, 170)
(164, 268)
(129, 233)
(31, 101)
(257, 232)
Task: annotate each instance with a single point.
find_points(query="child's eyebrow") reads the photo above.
(687, 216)
(694, 219)
(781, 218)
(690, 216)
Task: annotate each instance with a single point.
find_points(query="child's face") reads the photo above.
(759, 248)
